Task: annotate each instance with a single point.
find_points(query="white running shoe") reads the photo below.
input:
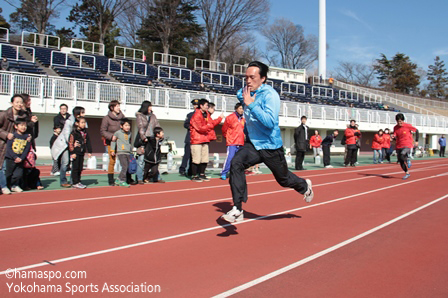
(309, 194)
(16, 189)
(6, 191)
(56, 174)
(233, 215)
(329, 167)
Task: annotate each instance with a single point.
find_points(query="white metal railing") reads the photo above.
(167, 59)
(4, 34)
(167, 72)
(41, 40)
(322, 92)
(201, 64)
(47, 89)
(88, 46)
(349, 95)
(268, 82)
(127, 67)
(224, 80)
(17, 50)
(66, 58)
(129, 53)
(239, 69)
(293, 88)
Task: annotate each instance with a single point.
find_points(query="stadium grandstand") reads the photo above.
(83, 74)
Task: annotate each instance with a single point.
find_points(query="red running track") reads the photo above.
(170, 235)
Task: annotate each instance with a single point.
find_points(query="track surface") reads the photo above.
(171, 235)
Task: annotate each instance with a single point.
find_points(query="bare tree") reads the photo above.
(131, 20)
(225, 18)
(358, 73)
(239, 50)
(288, 42)
(35, 14)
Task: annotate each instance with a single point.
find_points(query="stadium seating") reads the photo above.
(21, 65)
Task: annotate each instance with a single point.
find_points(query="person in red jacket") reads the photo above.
(200, 126)
(404, 142)
(315, 142)
(351, 135)
(386, 145)
(233, 131)
(211, 110)
(377, 146)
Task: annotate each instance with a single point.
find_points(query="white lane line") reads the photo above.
(124, 247)
(323, 252)
(187, 189)
(191, 204)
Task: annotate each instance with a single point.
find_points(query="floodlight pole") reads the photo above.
(322, 39)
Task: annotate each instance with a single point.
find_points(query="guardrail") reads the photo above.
(210, 77)
(48, 89)
(167, 59)
(168, 70)
(239, 69)
(66, 57)
(348, 95)
(88, 46)
(293, 88)
(322, 92)
(201, 64)
(134, 54)
(123, 67)
(17, 49)
(4, 32)
(41, 40)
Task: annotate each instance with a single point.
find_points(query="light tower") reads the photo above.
(322, 39)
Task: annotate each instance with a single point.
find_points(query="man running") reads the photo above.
(404, 142)
(263, 141)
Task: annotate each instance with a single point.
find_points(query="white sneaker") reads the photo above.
(56, 174)
(233, 215)
(309, 194)
(6, 191)
(16, 189)
(329, 167)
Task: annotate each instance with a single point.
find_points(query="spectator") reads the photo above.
(326, 145)
(60, 146)
(233, 131)
(56, 163)
(211, 111)
(5, 64)
(377, 146)
(32, 120)
(7, 119)
(109, 126)
(59, 119)
(315, 142)
(442, 143)
(121, 147)
(186, 159)
(351, 135)
(386, 145)
(331, 81)
(17, 149)
(146, 122)
(301, 139)
(79, 135)
(150, 84)
(153, 157)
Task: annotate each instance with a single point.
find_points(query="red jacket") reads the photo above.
(200, 128)
(350, 138)
(315, 141)
(377, 142)
(211, 133)
(233, 130)
(403, 136)
(386, 138)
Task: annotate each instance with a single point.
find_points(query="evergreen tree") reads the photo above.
(398, 74)
(3, 22)
(438, 79)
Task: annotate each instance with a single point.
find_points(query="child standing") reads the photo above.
(121, 147)
(153, 156)
(56, 162)
(16, 151)
(77, 151)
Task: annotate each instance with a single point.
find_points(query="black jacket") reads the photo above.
(328, 141)
(153, 153)
(32, 128)
(83, 138)
(53, 138)
(187, 127)
(301, 142)
(59, 120)
(18, 147)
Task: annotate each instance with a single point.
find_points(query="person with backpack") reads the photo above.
(153, 157)
(121, 147)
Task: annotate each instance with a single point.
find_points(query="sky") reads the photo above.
(360, 30)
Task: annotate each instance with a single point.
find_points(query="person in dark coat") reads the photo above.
(59, 119)
(301, 139)
(326, 144)
(32, 120)
(186, 159)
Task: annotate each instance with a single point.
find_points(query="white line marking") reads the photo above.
(190, 204)
(207, 229)
(323, 252)
(186, 189)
